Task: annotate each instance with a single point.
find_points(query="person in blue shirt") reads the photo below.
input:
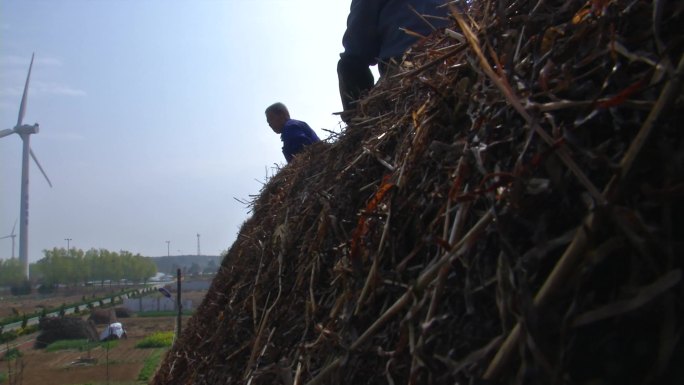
(295, 134)
(374, 35)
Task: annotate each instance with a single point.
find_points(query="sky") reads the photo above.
(151, 114)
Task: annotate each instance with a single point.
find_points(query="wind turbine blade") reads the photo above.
(6, 131)
(40, 167)
(13, 227)
(22, 108)
(6, 236)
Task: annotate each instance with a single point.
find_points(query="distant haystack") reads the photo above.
(103, 316)
(122, 312)
(64, 328)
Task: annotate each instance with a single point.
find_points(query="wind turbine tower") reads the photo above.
(24, 131)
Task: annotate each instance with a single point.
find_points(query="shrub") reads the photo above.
(22, 288)
(8, 336)
(46, 289)
(27, 330)
(11, 354)
(156, 340)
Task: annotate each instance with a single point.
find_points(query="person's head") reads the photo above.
(276, 116)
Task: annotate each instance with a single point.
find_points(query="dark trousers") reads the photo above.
(355, 78)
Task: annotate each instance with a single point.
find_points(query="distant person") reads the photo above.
(295, 134)
(374, 35)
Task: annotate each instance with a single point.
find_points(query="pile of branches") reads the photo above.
(505, 208)
(64, 328)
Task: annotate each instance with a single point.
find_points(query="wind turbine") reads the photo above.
(12, 235)
(24, 131)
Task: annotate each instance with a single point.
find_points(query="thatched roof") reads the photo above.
(505, 209)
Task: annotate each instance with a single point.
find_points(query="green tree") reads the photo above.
(115, 266)
(60, 266)
(194, 269)
(138, 268)
(98, 270)
(81, 268)
(149, 269)
(48, 267)
(75, 267)
(211, 267)
(11, 272)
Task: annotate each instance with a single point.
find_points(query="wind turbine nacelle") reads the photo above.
(27, 129)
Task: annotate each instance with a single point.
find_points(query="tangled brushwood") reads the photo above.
(505, 209)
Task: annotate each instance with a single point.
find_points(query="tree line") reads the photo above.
(74, 267)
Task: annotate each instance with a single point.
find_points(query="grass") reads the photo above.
(156, 340)
(150, 365)
(3, 378)
(79, 345)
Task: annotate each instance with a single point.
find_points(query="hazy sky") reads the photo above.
(151, 114)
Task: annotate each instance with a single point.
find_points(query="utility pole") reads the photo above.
(179, 306)
(68, 240)
(198, 244)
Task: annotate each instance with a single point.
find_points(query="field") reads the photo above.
(121, 364)
(63, 368)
